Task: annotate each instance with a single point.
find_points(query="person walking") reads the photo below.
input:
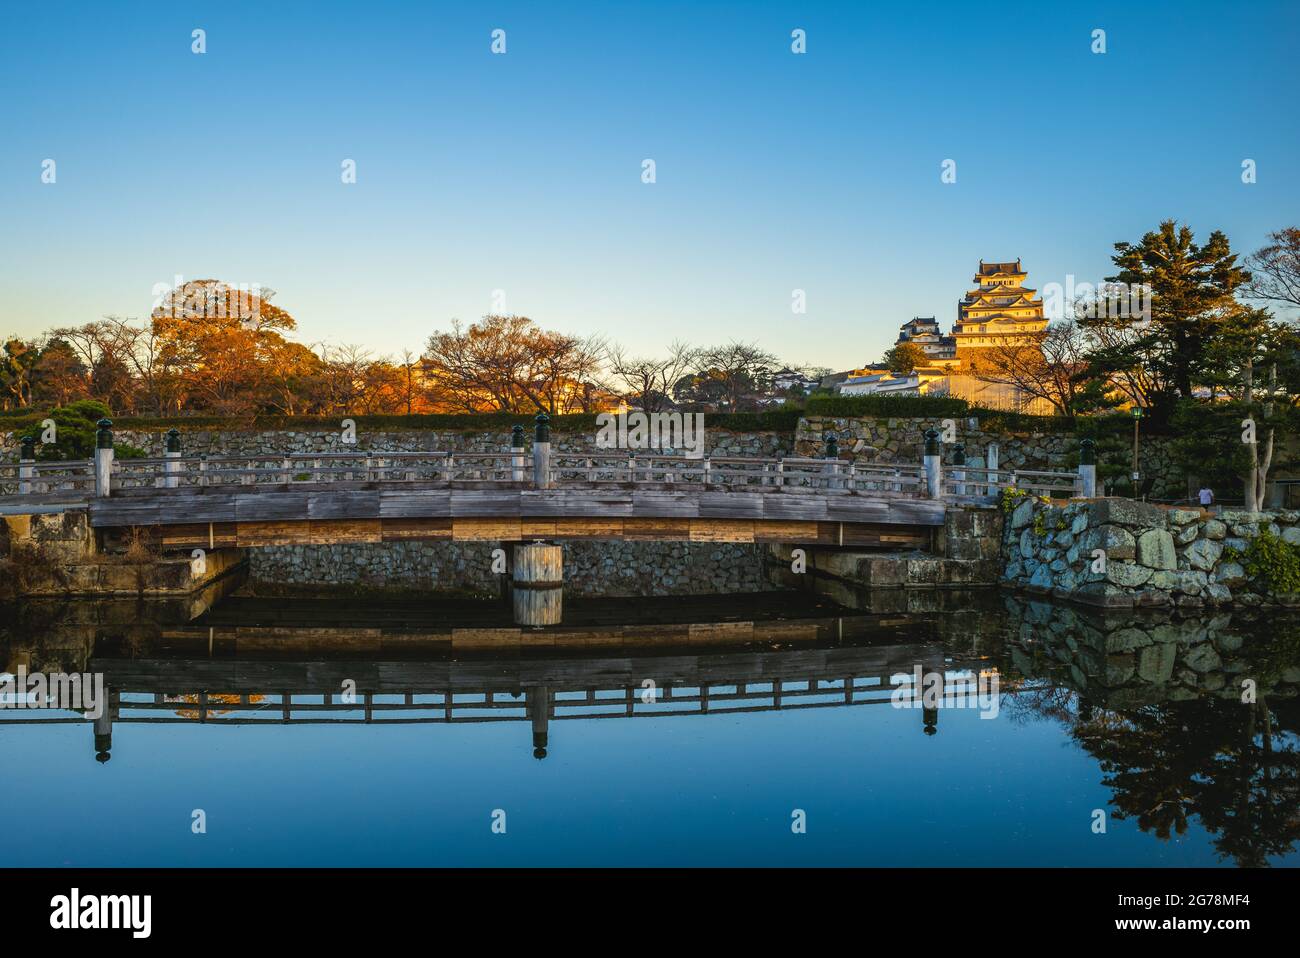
(1206, 496)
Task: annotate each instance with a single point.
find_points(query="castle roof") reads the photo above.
(998, 269)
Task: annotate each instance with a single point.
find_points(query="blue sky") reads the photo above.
(522, 172)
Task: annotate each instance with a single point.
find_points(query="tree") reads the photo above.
(59, 376)
(1190, 287)
(218, 342)
(649, 382)
(17, 361)
(509, 364)
(742, 369)
(1275, 269)
(905, 357)
(1051, 365)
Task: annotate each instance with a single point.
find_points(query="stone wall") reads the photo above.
(595, 568)
(1152, 555)
(276, 442)
(58, 555)
(873, 439)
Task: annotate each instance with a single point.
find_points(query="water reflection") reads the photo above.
(1186, 720)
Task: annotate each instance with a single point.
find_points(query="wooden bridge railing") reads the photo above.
(33, 481)
(720, 696)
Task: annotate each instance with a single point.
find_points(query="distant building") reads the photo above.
(924, 331)
(999, 310)
(784, 379)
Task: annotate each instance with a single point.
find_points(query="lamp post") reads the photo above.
(1137, 419)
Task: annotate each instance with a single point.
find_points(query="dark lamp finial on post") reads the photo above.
(104, 435)
(832, 445)
(542, 432)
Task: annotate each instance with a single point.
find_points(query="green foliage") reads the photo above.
(905, 357)
(75, 427)
(1012, 497)
(903, 407)
(781, 419)
(1208, 443)
(1270, 559)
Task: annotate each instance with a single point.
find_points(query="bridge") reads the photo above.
(371, 496)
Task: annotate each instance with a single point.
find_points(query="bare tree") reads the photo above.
(1048, 365)
(508, 363)
(649, 381)
(1275, 269)
(741, 368)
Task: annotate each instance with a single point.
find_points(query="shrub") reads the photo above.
(1270, 559)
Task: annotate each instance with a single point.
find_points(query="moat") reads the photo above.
(766, 729)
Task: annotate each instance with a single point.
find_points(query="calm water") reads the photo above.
(1091, 715)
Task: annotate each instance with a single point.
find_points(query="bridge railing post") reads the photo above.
(517, 454)
(932, 461)
(26, 465)
(104, 458)
(172, 453)
(542, 452)
(832, 454)
(959, 468)
(991, 463)
(1087, 482)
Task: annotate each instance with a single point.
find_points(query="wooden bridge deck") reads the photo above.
(243, 516)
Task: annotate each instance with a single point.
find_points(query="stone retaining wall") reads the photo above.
(873, 439)
(1152, 555)
(277, 442)
(597, 568)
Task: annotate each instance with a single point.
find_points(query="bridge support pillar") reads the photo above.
(538, 586)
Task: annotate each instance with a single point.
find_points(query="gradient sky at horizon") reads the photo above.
(522, 172)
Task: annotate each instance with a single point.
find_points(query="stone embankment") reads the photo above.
(59, 555)
(1119, 552)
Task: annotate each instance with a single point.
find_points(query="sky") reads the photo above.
(519, 175)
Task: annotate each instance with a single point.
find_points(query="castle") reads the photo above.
(1000, 309)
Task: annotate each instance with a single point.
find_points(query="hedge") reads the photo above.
(776, 420)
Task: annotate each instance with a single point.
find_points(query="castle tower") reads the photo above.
(998, 310)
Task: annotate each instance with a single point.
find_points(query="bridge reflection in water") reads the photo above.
(278, 673)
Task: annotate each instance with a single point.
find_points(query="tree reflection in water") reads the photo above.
(1232, 764)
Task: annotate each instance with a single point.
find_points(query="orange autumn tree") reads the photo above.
(222, 345)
